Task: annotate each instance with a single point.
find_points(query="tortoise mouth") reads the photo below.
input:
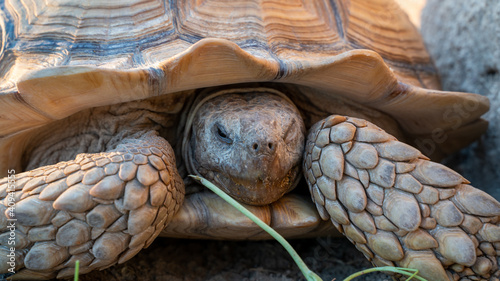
(262, 191)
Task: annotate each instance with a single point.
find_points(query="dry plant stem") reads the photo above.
(310, 275)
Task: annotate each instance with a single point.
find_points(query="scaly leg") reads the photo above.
(100, 209)
(398, 207)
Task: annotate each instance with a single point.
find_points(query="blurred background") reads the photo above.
(463, 38)
(413, 9)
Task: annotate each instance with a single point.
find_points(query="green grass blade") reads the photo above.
(308, 274)
(412, 273)
(77, 269)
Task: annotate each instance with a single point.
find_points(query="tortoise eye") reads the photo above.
(222, 135)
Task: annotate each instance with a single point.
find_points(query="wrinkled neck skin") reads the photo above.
(249, 142)
(102, 129)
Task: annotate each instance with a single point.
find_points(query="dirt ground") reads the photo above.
(175, 259)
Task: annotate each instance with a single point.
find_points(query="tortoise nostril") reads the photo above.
(263, 147)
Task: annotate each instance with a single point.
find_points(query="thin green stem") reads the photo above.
(412, 273)
(77, 269)
(310, 275)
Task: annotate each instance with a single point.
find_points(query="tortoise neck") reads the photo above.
(99, 129)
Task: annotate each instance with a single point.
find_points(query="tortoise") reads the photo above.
(108, 107)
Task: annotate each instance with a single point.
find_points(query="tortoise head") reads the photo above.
(248, 142)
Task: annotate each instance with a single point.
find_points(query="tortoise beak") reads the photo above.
(266, 188)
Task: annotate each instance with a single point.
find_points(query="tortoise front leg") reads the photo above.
(398, 207)
(101, 209)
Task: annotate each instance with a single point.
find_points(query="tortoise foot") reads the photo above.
(399, 208)
(100, 209)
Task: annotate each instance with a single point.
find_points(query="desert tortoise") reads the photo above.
(99, 99)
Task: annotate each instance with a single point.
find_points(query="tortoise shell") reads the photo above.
(60, 57)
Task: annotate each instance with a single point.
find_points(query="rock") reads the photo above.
(463, 38)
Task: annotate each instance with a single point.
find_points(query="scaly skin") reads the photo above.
(398, 207)
(395, 205)
(101, 209)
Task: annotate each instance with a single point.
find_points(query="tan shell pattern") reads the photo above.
(60, 57)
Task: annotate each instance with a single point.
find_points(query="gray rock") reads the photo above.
(463, 37)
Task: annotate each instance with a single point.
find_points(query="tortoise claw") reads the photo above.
(398, 207)
(101, 209)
